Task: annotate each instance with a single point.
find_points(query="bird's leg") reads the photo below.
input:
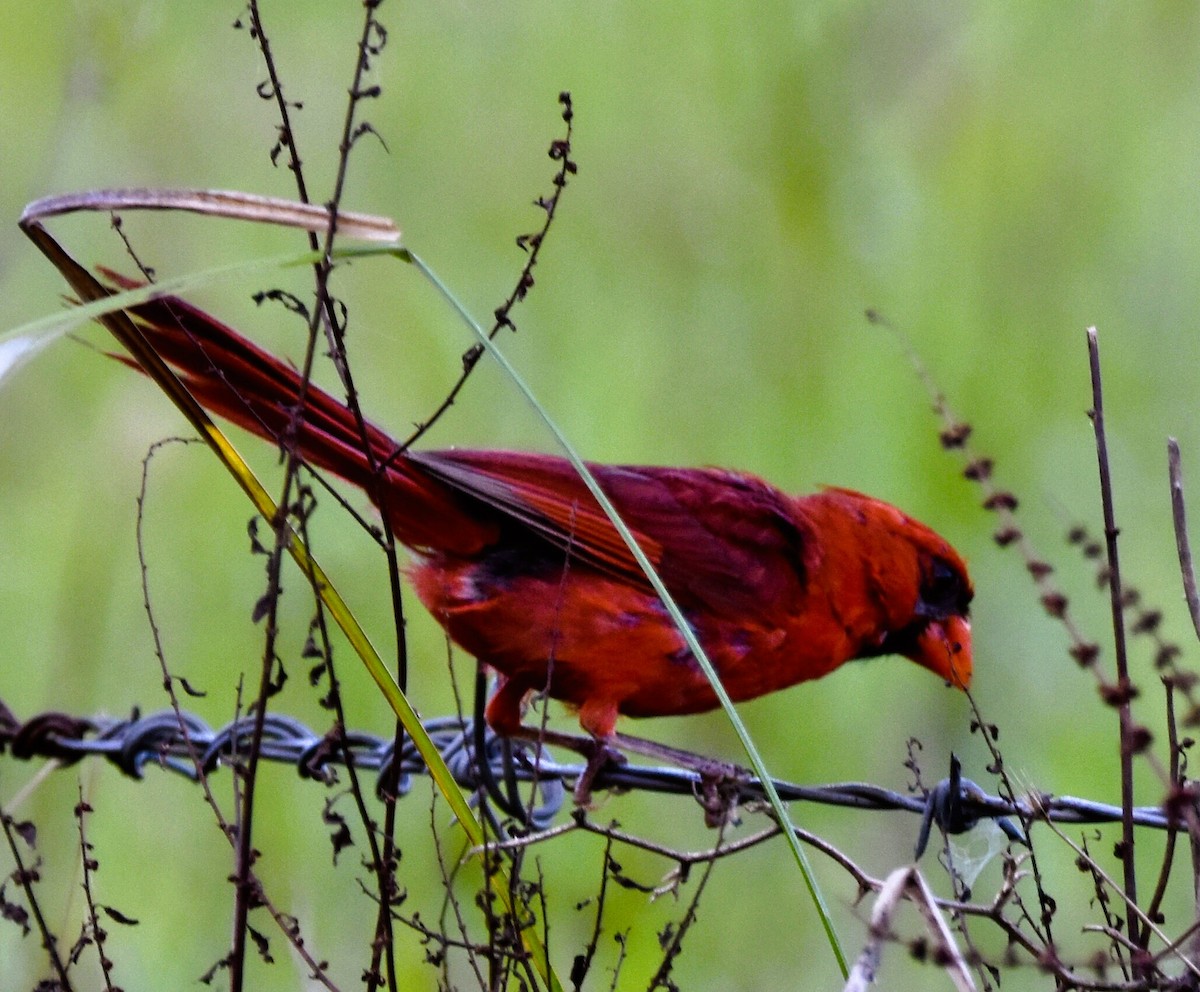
(599, 718)
(600, 755)
(599, 752)
(504, 717)
(604, 746)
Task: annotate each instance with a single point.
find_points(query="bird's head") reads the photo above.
(917, 581)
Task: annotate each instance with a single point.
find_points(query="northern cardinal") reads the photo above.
(515, 559)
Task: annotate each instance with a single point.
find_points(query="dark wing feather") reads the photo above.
(723, 541)
(544, 494)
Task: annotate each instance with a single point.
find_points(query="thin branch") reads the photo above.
(583, 962)
(93, 929)
(1179, 515)
(1118, 617)
(1168, 858)
(662, 977)
(1132, 910)
(25, 877)
(560, 152)
(325, 314)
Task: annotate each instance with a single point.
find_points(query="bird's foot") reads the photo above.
(598, 751)
(602, 756)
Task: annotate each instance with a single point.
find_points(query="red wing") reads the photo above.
(545, 494)
(721, 540)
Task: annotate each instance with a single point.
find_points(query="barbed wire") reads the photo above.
(955, 804)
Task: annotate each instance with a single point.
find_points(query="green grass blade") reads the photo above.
(752, 753)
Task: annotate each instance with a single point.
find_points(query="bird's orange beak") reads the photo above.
(944, 647)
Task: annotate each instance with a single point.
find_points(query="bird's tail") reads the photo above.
(243, 383)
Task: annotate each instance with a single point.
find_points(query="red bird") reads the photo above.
(516, 560)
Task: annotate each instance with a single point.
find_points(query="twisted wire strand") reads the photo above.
(133, 743)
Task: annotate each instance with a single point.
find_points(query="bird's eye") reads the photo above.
(943, 591)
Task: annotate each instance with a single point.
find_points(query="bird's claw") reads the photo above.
(601, 757)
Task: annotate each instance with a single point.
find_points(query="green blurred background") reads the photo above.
(992, 177)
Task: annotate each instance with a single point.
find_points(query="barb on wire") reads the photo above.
(133, 743)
